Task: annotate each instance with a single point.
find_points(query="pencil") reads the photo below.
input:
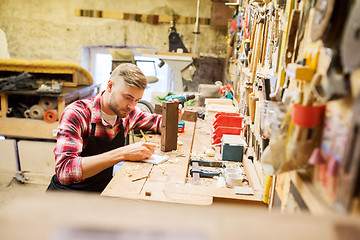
(142, 133)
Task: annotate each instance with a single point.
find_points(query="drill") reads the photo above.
(182, 98)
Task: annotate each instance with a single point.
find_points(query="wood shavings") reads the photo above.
(176, 160)
(127, 172)
(210, 152)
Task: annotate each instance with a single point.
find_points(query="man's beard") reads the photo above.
(118, 112)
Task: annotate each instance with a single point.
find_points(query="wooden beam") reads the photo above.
(169, 126)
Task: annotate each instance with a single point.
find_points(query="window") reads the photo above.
(98, 61)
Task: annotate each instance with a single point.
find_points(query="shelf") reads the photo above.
(28, 128)
(32, 128)
(315, 202)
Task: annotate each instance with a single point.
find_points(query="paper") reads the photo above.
(243, 190)
(156, 159)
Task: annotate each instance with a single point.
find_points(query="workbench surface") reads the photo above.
(171, 181)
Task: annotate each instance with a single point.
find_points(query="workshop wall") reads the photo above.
(50, 30)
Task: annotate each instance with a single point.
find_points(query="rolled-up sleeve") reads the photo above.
(139, 119)
(69, 145)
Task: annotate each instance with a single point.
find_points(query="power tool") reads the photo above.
(181, 98)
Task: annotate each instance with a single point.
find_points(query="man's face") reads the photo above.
(123, 98)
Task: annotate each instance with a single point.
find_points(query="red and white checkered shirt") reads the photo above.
(75, 129)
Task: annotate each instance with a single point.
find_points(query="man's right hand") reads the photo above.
(137, 151)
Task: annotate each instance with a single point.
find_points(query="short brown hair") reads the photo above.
(131, 74)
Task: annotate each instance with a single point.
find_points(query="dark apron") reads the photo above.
(95, 146)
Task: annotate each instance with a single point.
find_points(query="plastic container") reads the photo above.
(232, 148)
(226, 123)
(218, 133)
(307, 116)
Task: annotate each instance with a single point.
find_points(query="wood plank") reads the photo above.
(177, 54)
(190, 115)
(174, 171)
(28, 128)
(122, 185)
(37, 157)
(169, 126)
(89, 215)
(213, 191)
(310, 195)
(8, 159)
(252, 175)
(61, 106)
(4, 104)
(38, 178)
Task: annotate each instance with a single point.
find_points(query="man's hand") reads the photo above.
(138, 151)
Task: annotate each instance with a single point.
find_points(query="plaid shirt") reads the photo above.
(75, 129)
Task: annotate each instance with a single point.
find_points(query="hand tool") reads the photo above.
(207, 163)
(195, 175)
(205, 173)
(291, 39)
(281, 77)
(335, 84)
(329, 21)
(350, 45)
(265, 39)
(20, 177)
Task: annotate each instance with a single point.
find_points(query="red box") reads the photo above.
(226, 123)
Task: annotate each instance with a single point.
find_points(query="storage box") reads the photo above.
(225, 123)
(232, 148)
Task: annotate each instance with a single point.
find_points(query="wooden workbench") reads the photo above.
(78, 216)
(171, 181)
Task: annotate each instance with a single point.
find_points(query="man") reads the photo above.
(92, 133)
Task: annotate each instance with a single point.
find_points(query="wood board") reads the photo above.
(37, 157)
(8, 159)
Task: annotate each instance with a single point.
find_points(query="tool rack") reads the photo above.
(301, 187)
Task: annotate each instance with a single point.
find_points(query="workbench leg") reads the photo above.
(61, 106)
(4, 104)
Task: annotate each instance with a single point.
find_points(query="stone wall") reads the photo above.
(49, 29)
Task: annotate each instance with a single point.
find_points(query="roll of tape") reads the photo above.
(27, 113)
(36, 112)
(50, 116)
(48, 103)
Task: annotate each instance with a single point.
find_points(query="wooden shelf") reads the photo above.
(28, 128)
(31, 128)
